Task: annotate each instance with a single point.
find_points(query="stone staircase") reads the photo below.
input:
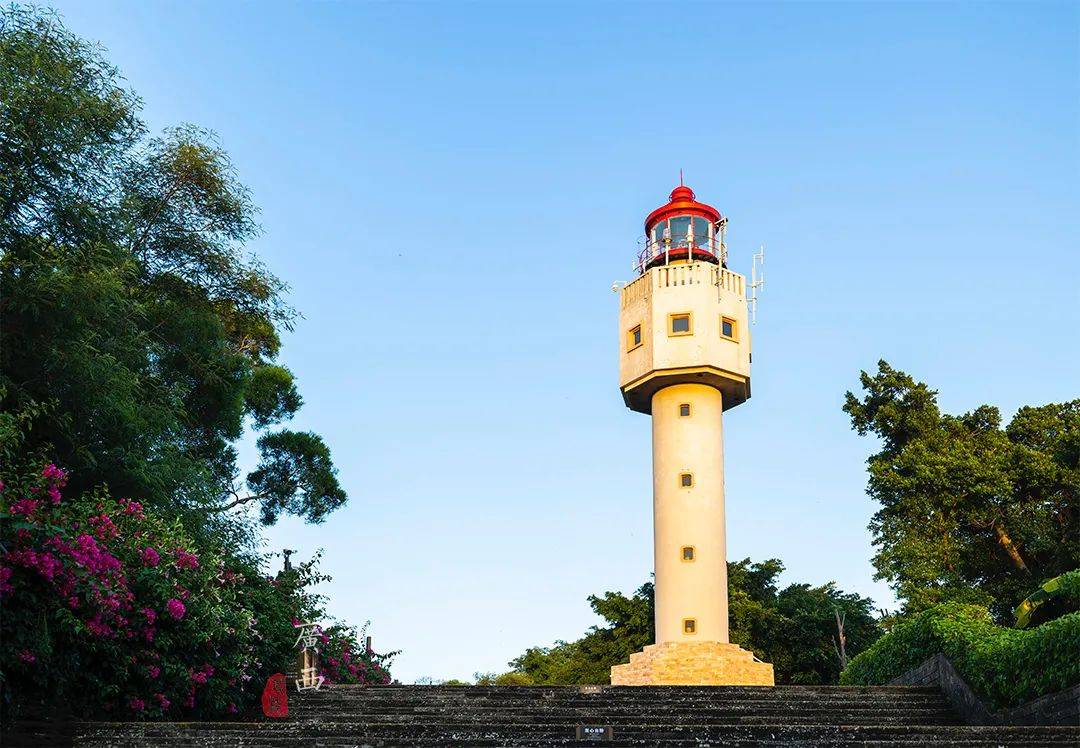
(347, 716)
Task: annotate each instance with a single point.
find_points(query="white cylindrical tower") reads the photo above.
(689, 541)
(684, 359)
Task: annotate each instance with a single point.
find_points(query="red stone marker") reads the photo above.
(275, 697)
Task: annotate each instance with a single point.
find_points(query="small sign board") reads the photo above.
(598, 733)
(591, 689)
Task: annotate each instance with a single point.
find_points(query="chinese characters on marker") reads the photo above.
(309, 671)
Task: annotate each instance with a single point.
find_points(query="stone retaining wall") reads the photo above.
(1061, 708)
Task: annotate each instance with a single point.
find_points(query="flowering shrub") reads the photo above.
(113, 612)
(343, 660)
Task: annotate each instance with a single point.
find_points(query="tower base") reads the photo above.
(701, 663)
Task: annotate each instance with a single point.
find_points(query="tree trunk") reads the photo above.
(1010, 548)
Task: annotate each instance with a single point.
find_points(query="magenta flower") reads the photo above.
(137, 705)
(5, 580)
(150, 557)
(232, 708)
(104, 528)
(54, 473)
(151, 615)
(175, 608)
(97, 627)
(27, 657)
(153, 671)
(185, 560)
(163, 702)
(25, 507)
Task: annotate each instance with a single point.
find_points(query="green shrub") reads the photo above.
(1054, 598)
(1004, 666)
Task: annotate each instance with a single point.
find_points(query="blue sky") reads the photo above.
(451, 189)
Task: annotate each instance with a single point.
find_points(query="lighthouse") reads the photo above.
(684, 359)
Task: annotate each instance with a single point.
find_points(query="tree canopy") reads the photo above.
(136, 326)
(971, 511)
(140, 344)
(793, 628)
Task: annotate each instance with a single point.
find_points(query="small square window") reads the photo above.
(686, 480)
(684, 410)
(689, 626)
(728, 328)
(633, 338)
(680, 324)
(688, 553)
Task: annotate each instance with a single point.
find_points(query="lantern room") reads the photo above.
(683, 230)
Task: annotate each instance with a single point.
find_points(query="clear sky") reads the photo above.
(451, 189)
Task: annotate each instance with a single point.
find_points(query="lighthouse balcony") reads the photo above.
(666, 250)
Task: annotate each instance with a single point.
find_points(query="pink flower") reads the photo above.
(25, 506)
(5, 580)
(153, 671)
(104, 528)
(54, 474)
(137, 705)
(150, 557)
(232, 708)
(185, 560)
(163, 702)
(97, 627)
(27, 657)
(151, 615)
(175, 608)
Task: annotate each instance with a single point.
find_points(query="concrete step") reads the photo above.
(295, 735)
(340, 717)
(928, 718)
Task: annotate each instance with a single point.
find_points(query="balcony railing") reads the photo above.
(662, 251)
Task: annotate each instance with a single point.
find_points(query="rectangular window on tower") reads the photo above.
(680, 324)
(684, 410)
(689, 626)
(633, 338)
(686, 480)
(729, 328)
(688, 553)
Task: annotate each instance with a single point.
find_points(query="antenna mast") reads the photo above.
(757, 280)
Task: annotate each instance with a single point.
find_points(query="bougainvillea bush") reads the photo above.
(110, 611)
(343, 660)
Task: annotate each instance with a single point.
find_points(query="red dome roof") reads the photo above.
(681, 203)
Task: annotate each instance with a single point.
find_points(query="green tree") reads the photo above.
(794, 628)
(135, 325)
(970, 512)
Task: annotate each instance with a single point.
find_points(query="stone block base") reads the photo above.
(702, 663)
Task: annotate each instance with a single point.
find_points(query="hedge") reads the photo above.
(1065, 587)
(1004, 666)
